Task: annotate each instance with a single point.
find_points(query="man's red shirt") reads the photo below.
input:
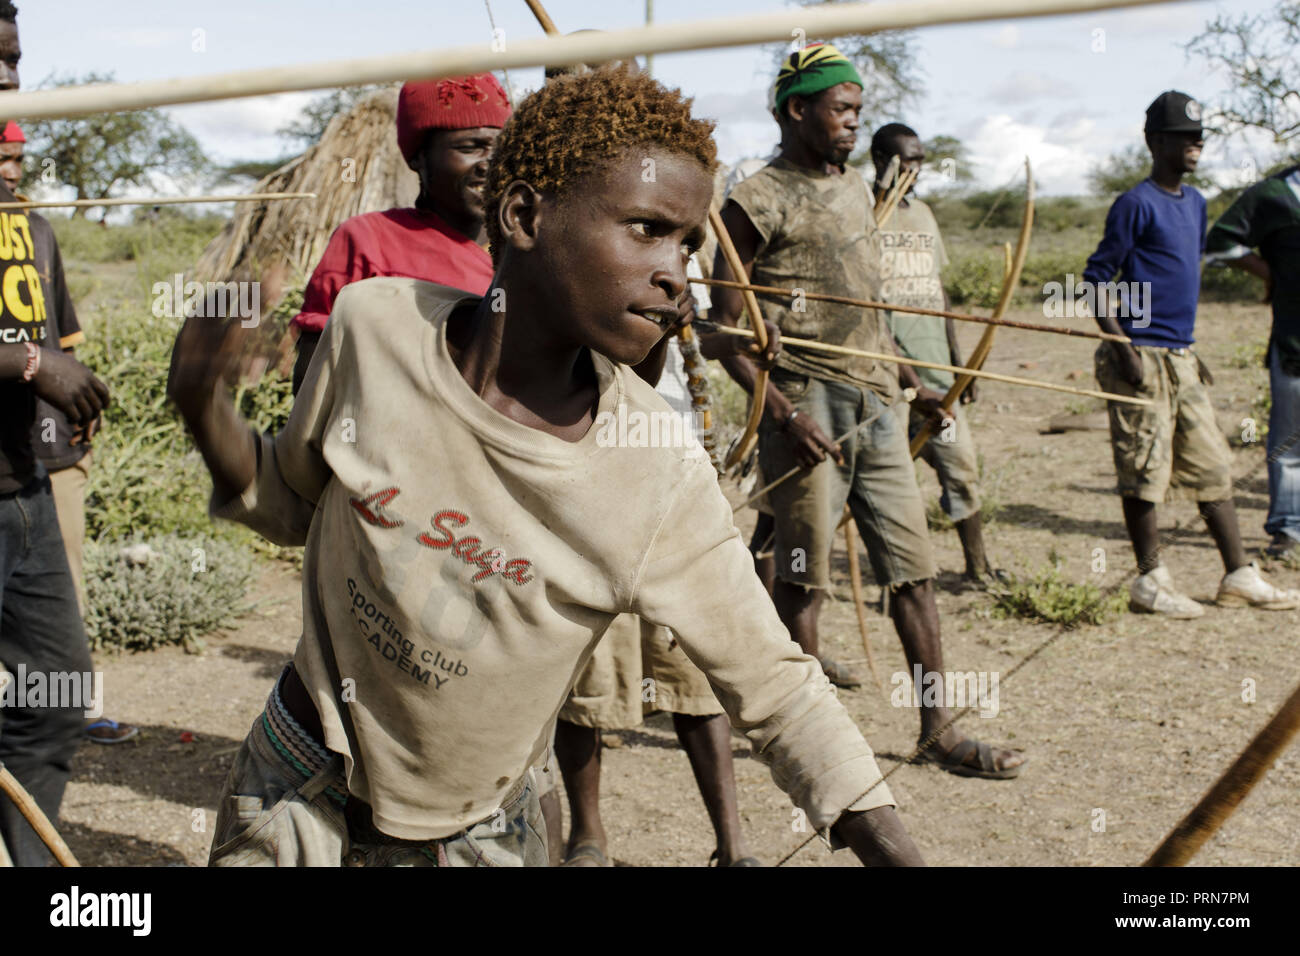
(413, 243)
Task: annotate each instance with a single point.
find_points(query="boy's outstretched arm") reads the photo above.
(877, 838)
(206, 361)
(697, 579)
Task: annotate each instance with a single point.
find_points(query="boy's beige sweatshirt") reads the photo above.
(460, 568)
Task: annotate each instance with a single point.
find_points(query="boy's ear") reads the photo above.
(518, 214)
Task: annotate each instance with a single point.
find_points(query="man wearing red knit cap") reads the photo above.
(446, 130)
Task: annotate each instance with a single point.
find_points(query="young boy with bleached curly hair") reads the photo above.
(468, 539)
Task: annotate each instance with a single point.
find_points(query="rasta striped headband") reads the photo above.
(816, 67)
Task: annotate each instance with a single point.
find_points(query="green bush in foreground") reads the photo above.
(167, 590)
(1047, 597)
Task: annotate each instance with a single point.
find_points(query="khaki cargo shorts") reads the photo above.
(878, 481)
(277, 811)
(1173, 446)
(637, 669)
(951, 453)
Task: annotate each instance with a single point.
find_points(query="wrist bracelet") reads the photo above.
(793, 415)
(33, 361)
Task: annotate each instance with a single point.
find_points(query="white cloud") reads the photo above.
(1061, 158)
(745, 128)
(243, 128)
(1007, 38)
(1023, 86)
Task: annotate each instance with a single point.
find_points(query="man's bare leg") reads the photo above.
(971, 532)
(707, 742)
(1143, 532)
(577, 750)
(1221, 518)
(798, 608)
(916, 619)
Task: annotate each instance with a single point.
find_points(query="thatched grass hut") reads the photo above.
(355, 168)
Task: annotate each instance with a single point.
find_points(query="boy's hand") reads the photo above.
(70, 387)
(1130, 363)
(969, 396)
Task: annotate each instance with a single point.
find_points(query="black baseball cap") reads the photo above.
(1174, 112)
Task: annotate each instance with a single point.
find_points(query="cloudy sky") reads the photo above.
(1066, 91)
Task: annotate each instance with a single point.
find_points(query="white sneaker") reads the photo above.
(1247, 587)
(1154, 593)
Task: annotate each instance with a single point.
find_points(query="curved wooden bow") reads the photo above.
(985, 344)
(749, 436)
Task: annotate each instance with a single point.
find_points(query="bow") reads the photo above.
(745, 443)
(985, 344)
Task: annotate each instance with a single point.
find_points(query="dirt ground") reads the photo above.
(1127, 723)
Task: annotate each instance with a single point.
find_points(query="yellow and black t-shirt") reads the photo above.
(23, 318)
(51, 431)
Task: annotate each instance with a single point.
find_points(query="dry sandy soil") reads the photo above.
(1135, 718)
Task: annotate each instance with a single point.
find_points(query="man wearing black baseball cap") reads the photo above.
(1155, 237)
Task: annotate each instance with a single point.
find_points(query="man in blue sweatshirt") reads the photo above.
(1155, 236)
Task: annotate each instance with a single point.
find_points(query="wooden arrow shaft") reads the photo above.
(150, 201)
(816, 346)
(911, 310)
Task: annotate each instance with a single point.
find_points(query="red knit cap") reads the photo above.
(12, 133)
(463, 102)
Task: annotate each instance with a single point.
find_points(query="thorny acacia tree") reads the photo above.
(100, 154)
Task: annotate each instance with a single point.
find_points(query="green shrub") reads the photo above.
(1056, 214)
(994, 208)
(1226, 284)
(1051, 265)
(173, 593)
(973, 279)
(1049, 598)
(181, 236)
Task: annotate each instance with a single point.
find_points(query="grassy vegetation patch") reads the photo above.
(163, 591)
(1048, 598)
